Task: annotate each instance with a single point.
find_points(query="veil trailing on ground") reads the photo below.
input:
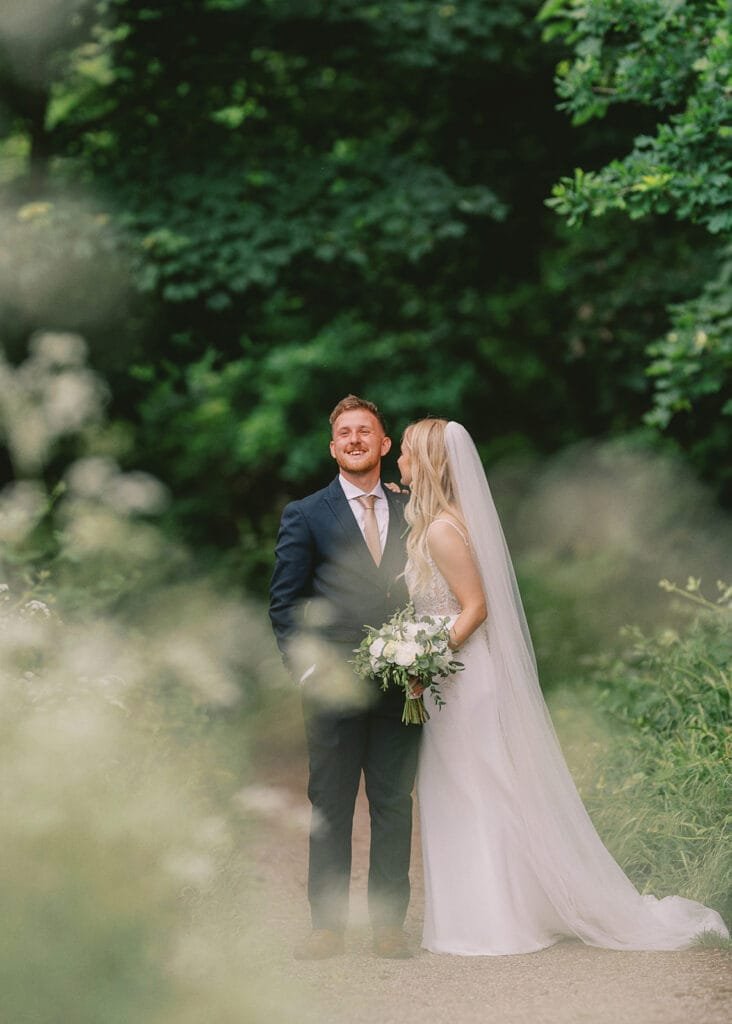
(590, 893)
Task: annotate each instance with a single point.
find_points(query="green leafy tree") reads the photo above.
(313, 197)
(315, 211)
(36, 37)
(675, 58)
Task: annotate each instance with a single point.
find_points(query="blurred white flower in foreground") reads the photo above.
(55, 351)
(276, 804)
(118, 755)
(36, 608)
(50, 395)
(98, 478)
(22, 505)
(193, 663)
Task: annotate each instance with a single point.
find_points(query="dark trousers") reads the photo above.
(340, 748)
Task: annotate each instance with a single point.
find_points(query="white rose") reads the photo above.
(406, 653)
(410, 630)
(376, 649)
(389, 650)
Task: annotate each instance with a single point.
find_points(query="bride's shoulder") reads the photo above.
(446, 529)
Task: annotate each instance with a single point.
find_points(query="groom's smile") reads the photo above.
(358, 443)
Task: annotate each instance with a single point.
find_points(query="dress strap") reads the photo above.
(453, 525)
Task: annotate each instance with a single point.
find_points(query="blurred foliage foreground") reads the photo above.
(127, 839)
(127, 862)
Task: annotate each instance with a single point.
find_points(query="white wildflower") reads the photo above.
(89, 478)
(132, 493)
(36, 608)
(73, 398)
(53, 350)
(22, 505)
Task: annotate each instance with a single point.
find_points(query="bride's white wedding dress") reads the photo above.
(512, 862)
(481, 895)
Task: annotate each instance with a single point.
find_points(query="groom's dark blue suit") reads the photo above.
(322, 565)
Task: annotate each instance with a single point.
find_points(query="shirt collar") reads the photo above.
(351, 491)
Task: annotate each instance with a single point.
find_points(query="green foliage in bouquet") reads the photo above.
(406, 651)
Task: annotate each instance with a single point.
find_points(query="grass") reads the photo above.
(655, 722)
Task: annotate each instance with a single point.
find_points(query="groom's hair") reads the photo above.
(354, 402)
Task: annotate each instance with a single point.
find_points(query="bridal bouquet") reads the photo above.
(408, 649)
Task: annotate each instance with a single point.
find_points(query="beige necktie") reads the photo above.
(370, 526)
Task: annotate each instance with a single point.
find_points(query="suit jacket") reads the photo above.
(322, 566)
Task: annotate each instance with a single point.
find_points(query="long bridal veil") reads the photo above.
(590, 893)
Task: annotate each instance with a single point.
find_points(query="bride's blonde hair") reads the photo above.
(433, 492)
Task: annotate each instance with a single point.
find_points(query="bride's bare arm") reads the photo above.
(454, 560)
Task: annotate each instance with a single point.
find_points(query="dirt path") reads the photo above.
(567, 984)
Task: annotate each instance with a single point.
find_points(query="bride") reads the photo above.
(512, 862)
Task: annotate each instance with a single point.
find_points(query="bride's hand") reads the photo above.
(416, 688)
(391, 486)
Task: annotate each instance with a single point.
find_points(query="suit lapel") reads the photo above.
(396, 525)
(394, 558)
(338, 504)
(392, 561)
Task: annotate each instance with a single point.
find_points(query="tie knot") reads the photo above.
(367, 500)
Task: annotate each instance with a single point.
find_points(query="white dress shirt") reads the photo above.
(381, 507)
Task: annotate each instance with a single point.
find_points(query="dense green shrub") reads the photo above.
(662, 799)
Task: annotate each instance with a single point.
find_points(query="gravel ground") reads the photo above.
(569, 983)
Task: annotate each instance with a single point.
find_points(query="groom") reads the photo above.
(338, 563)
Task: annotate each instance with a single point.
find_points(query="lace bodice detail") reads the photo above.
(434, 597)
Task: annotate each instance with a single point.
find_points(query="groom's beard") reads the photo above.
(359, 467)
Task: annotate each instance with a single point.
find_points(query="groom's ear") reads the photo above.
(385, 445)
